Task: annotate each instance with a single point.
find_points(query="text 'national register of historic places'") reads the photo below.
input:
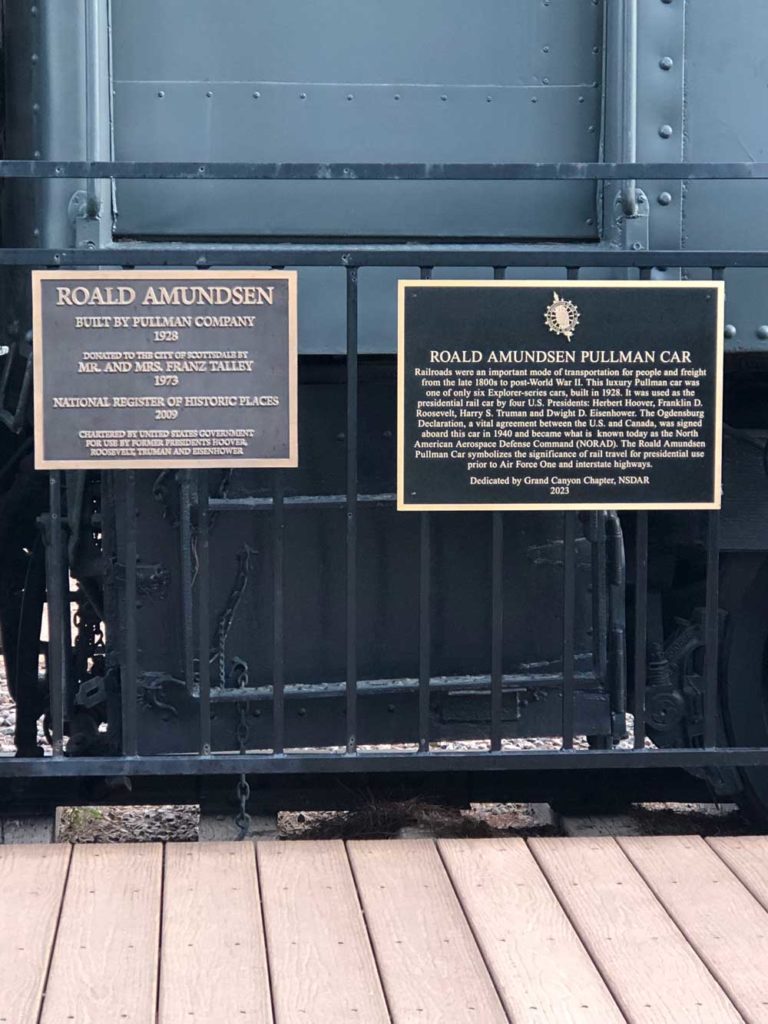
(559, 394)
(165, 369)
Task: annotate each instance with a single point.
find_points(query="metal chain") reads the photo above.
(243, 818)
(218, 651)
(240, 678)
(243, 790)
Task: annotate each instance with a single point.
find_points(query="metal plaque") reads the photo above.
(559, 394)
(165, 369)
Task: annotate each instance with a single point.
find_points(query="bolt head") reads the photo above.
(762, 332)
(666, 63)
(730, 331)
(666, 131)
(664, 199)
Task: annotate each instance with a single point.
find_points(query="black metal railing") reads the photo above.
(198, 505)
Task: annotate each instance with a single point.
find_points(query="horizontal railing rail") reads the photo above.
(373, 761)
(243, 171)
(412, 254)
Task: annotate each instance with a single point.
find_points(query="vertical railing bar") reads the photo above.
(352, 487)
(187, 610)
(58, 607)
(599, 601)
(109, 562)
(712, 612)
(278, 612)
(203, 611)
(425, 628)
(128, 679)
(278, 608)
(711, 629)
(569, 619)
(569, 607)
(641, 626)
(497, 625)
(425, 610)
(497, 607)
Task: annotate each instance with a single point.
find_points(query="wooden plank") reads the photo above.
(653, 973)
(31, 888)
(747, 856)
(104, 966)
(720, 918)
(320, 958)
(430, 965)
(540, 966)
(213, 964)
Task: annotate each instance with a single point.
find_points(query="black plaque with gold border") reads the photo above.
(559, 394)
(163, 369)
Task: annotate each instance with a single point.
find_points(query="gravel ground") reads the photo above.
(6, 716)
(180, 823)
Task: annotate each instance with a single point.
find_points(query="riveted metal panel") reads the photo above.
(342, 81)
(380, 41)
(355, 123)
(726, 95)
(661, 85)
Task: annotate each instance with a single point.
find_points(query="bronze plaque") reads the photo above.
(559, 395)
(159, 369)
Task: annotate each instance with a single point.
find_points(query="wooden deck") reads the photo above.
(646, 930)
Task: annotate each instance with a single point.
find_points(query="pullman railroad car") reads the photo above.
(289, 627)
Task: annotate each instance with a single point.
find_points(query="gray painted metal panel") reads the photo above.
(504, 42)
(382, 81)
(340, 81)
(727, 93)
(182, 122)
(187, 48)
(661, 93)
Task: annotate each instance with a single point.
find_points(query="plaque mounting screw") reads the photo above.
(762, 332)
(665, 198)
(666, 63)
(665, 131)
(730, 331)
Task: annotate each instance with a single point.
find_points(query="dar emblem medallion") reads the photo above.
(562, 316)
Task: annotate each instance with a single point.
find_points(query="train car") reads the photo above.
(291, 626)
